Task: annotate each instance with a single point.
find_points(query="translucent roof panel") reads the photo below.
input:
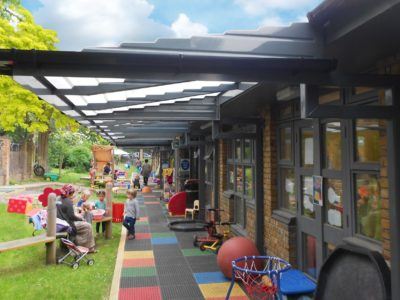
(70, 82)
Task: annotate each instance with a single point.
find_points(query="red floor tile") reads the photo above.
(138, 262)
(142, 293)
(142, 236)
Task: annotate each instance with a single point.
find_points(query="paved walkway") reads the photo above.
(163, 264)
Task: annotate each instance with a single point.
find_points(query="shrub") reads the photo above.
(79, 158)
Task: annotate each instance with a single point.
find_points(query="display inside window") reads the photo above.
(333, 146)
(248, 181)
(247, 150)
(368, 206)
(239, 179)
(310, 255)
(334, 202)
(231, 177)
(238, 152)
(307, 147)
(286, 143)
(368, 140)
(288, 189)
(307, 197)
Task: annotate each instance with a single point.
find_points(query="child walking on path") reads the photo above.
(131, 213)
(100, 204)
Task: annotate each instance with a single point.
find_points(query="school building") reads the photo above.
(293, 131)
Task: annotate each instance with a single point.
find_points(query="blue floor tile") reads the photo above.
(210, 277)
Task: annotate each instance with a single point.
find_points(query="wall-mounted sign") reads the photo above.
(185, 164)
(317, 190)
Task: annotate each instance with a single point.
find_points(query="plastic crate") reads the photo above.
(117, 212)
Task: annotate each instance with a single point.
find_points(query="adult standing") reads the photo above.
(65, 211)
(146, 171)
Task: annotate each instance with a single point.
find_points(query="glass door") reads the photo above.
(309, 215)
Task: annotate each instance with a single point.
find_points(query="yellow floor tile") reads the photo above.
(138, 254)
(211, 290)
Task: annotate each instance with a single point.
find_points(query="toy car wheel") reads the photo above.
(90, 262)
(75, 266)
(202, 248)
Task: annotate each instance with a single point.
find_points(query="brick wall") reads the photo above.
(279, 238)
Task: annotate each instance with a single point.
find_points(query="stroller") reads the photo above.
(78, 254)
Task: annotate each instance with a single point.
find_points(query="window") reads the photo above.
(333, 142)
(310, 253)
(307, 147)
(240, 179)
(286, 143)
(334, 202)
(288, 190)
(307, 196)
(367, 141)
(368, 206)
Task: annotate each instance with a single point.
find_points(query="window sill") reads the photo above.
(238, 230)
(360, 242)
(284, 217)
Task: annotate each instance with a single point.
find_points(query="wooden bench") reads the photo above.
(108, 221)
(22, 243)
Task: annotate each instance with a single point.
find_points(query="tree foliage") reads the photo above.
(22, 112)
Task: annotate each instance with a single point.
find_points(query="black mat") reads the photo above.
(129, 282)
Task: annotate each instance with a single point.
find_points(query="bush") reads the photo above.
(79, 158)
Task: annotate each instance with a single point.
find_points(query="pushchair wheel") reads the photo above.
(75, 266)
(90, 262)
(195, 240)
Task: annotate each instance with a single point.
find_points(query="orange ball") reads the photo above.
(232, 249)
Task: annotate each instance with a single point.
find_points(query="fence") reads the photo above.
(17, 162)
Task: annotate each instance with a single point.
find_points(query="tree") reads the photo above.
(22, 112)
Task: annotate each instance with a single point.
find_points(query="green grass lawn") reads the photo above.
(24, 275)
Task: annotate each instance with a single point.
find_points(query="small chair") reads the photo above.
(196, 207)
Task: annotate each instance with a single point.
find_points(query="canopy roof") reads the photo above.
(148, 93)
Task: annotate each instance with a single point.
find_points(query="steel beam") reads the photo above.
(156, 116)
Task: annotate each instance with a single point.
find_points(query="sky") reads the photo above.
(90, 23)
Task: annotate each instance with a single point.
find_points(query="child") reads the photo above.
(131, 213)
(100, 204)
(85, 196)
(136, 182)
(87, 214)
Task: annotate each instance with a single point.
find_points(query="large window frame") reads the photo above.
(243, 163)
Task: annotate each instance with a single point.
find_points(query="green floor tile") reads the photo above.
(138, 272)
(162, 234)
(195, 252)
(142, 223)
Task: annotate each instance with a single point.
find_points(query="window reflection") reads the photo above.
(239, 179)
(288, 189)
(367, 140)
(286, 143)
(307, 197)
(368, 206)
(231, 180)
(248, 182)
(333, 143)
(238, 152)
(310, 255)
(334, 203)
(247, 149)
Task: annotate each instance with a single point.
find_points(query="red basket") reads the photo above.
(117, 212)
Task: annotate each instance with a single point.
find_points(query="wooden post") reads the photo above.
(109, 187)
(51, 229)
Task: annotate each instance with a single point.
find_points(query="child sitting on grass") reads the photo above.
(101, 204)
(131, 213)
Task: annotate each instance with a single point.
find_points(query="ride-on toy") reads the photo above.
(213, 240)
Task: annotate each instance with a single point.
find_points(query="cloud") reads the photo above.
(86, 23)
(260, 7)
(183, 27)
(276, 20)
